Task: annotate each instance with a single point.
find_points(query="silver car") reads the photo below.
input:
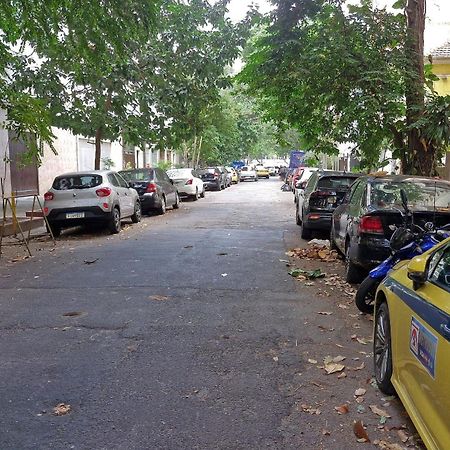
(97, 196)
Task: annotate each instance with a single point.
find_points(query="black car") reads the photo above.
(213, 178)
(364, 222)
(323, 193)
(156, 190)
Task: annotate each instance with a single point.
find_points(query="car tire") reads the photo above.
(202, 195)
(219, 188)
(176, 205)
(195, 197)
(56, 230)
(137, 216)
(114, 223)
(352, 271)
(365, 295)
(297, 217)
(382, 350)
(162, 209)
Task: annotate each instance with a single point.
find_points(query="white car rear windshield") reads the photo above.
(64, 183)
(179, 173)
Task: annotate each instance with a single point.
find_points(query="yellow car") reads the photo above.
(412, 341)
(234, 175)
(262, 172)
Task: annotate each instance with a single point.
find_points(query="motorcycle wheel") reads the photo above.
(365, 295)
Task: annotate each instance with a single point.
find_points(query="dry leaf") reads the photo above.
(312, 361)
(342, 409)
(326, 433)
(360, 392)
(325, 313)
(342, 375)
(403, 436)
(333, 368)
(361, 341)
(61, 409)
(360, 432)
(342, 306)
(378, 411)
(388, 446)
(360, 367)
(338, 359)
(359, 399)
(158, 298)
(275, 358)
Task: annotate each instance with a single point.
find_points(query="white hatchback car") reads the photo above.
(248, 173)
(187, 182)
(97, 196)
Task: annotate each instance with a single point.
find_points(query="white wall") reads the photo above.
(4, 153)
(64, 161)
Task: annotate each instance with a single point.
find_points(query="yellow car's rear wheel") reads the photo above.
(382, 350)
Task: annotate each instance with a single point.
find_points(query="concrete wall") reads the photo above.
(441, 68)
(65, 160)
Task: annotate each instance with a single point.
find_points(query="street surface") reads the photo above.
(182, 332)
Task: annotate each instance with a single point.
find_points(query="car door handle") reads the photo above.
(445, 330)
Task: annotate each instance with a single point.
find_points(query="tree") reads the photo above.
(342, 74)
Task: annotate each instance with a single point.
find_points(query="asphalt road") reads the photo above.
(184, 332)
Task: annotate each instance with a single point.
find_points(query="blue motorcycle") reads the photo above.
(407, 241)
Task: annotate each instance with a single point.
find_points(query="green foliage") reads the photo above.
(336, 76)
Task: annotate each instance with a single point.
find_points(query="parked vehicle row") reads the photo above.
(398, 226)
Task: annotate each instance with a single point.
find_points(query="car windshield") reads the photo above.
(179, 173)
(244, 169)
(422, 195)
(137, 175)
(77, 182)
(335, 182)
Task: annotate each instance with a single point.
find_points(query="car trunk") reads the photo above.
(330, 192)
(140, 186)
(389, 217)
(208, 176)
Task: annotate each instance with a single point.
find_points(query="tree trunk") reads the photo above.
(421, 157)
(98, 147)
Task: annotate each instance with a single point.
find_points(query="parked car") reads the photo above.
(301, 183)
(227, 176)
(187, 182)
(262, 172)
(323, 193)
(412, 342)
(213, 178)
(363, 224)
(273, 171)
(156, 190)
(248, 173)
(235, 176)
(80, 198)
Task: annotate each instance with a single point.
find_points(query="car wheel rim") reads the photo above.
(382, 350)
(116, 219)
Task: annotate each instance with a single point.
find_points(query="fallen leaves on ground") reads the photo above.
(61, 409)
(158, 298)
(342, 409)
(325, 313)
(360, 432)
(359, 392)
(314, 252)
(90, 261)
(333, 368)
(303, 275)
(378, 411)
(311, 410)
(388, 446)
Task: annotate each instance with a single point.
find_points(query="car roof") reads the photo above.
(336, 173)
(402, 178)
(85, 172)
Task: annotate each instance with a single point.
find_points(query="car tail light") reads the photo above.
(151, 187)
(371, 224)
(189, 182)
(48, 196)
(103, 192)
(46, 210)
(105, 205)
(313, 216)
(322, 193)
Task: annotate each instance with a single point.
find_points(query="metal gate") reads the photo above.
(24, 177)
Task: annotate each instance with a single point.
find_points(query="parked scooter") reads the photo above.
(407, 241)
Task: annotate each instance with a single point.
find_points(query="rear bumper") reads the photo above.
(149, 201)
(92, 214)
(187, 190)
(248, 177)
(211, 184)
(318, 221)
(369, 252)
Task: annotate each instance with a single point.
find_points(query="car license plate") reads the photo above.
(75, 215)
(331, 200)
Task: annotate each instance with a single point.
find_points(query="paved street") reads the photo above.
(186, 333)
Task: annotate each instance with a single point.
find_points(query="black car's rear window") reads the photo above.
(137, 175)
(422, 195)
(335, 182)
(64, 183)
(210, 170)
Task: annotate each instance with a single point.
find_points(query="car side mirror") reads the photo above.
(418, 271)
